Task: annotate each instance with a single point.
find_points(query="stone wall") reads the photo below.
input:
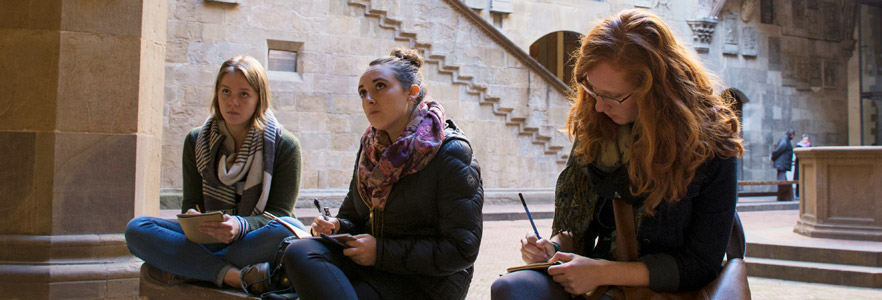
(510, 112)
(794, 71)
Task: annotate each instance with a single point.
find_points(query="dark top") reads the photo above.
(430, 229)
(783, 154)
(283, 190)
(683, 244)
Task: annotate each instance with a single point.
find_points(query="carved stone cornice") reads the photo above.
(702, 32)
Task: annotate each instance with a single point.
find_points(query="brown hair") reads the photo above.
(405, 63)
(255, 74)
(680, 121)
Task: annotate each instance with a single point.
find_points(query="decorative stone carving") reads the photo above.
(747, 8)
(788, 70)
(813, 20)
(702, 32)
(830, 16)
(774, 53)
(829, 71)
(802, 73)
(750, 47)
(815, 72)
(767, 11)
(730, 34)
(797, 13)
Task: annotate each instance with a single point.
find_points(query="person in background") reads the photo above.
(414, 202)
(240, 162)
(782, 156)
(650, 131)
(805, 142)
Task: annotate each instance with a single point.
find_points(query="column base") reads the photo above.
(93, 266)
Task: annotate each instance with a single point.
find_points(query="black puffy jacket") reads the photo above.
(430, 229)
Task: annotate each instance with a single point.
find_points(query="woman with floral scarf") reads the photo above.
(414, 203)
(240, 162)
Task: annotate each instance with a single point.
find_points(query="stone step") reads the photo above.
(815, 272)
(829, 254)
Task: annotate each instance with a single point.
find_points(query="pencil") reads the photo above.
(529, 216)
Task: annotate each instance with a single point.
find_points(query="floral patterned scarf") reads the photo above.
(384, 161)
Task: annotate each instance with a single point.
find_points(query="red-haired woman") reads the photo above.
(649, 130)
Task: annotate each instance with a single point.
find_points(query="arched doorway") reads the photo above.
(737, 98)
(555, 52)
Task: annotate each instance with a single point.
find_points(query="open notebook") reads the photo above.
(191, 222)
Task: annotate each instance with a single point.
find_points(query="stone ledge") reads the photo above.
(152, 289)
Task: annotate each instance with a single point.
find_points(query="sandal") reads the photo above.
(256, 278)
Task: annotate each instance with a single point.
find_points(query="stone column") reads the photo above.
(840, 192)
(80, 123)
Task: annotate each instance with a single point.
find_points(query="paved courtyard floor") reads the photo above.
(500, 249)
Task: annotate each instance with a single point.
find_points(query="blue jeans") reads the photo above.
(162, 243)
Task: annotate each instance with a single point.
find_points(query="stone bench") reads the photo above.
(784, 192)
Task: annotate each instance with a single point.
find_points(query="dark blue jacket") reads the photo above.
(783, 154)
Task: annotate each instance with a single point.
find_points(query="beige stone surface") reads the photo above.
(103, 17)
(99, 82)
(838, 199)
(94, 182)
(29, 98)
(339, 40)
(31, 14)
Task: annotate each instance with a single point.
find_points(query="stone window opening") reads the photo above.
(283, 60)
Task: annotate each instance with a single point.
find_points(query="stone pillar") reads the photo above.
(841, 192)
(80, 126)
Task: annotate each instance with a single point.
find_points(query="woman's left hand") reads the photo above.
(577, 274)
(222, 231)
(363, 250)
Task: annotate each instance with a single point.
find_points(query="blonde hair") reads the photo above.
(680, 121)
(255, 74)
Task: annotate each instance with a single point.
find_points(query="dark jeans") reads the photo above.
(530, 284)
(320, 271)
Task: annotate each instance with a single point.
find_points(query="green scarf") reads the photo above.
(574, 199)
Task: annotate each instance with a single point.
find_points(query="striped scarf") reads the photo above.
(253, 163)
(383, 161)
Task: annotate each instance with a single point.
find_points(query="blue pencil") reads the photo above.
(529, 216)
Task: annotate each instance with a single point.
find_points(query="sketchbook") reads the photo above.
(533, 266)
(190, 224)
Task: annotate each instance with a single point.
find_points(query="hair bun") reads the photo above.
(411, 55)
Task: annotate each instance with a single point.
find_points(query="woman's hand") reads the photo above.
(222, 231)
(534, 250)
(577, 274)
(319, 226)
(363, 250)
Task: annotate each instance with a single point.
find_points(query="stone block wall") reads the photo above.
(320, 105)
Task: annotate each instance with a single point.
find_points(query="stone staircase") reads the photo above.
(774, 251)
(511, 119)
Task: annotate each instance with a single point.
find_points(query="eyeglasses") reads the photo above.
(610, 100)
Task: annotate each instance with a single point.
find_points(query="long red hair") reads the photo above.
(680, 123)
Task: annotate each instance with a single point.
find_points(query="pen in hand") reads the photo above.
(529, 216)
(325, 213)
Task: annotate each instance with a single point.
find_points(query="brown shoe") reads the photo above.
(163, 277)
(256, 278)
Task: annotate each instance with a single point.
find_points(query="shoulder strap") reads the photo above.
(626, 236)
